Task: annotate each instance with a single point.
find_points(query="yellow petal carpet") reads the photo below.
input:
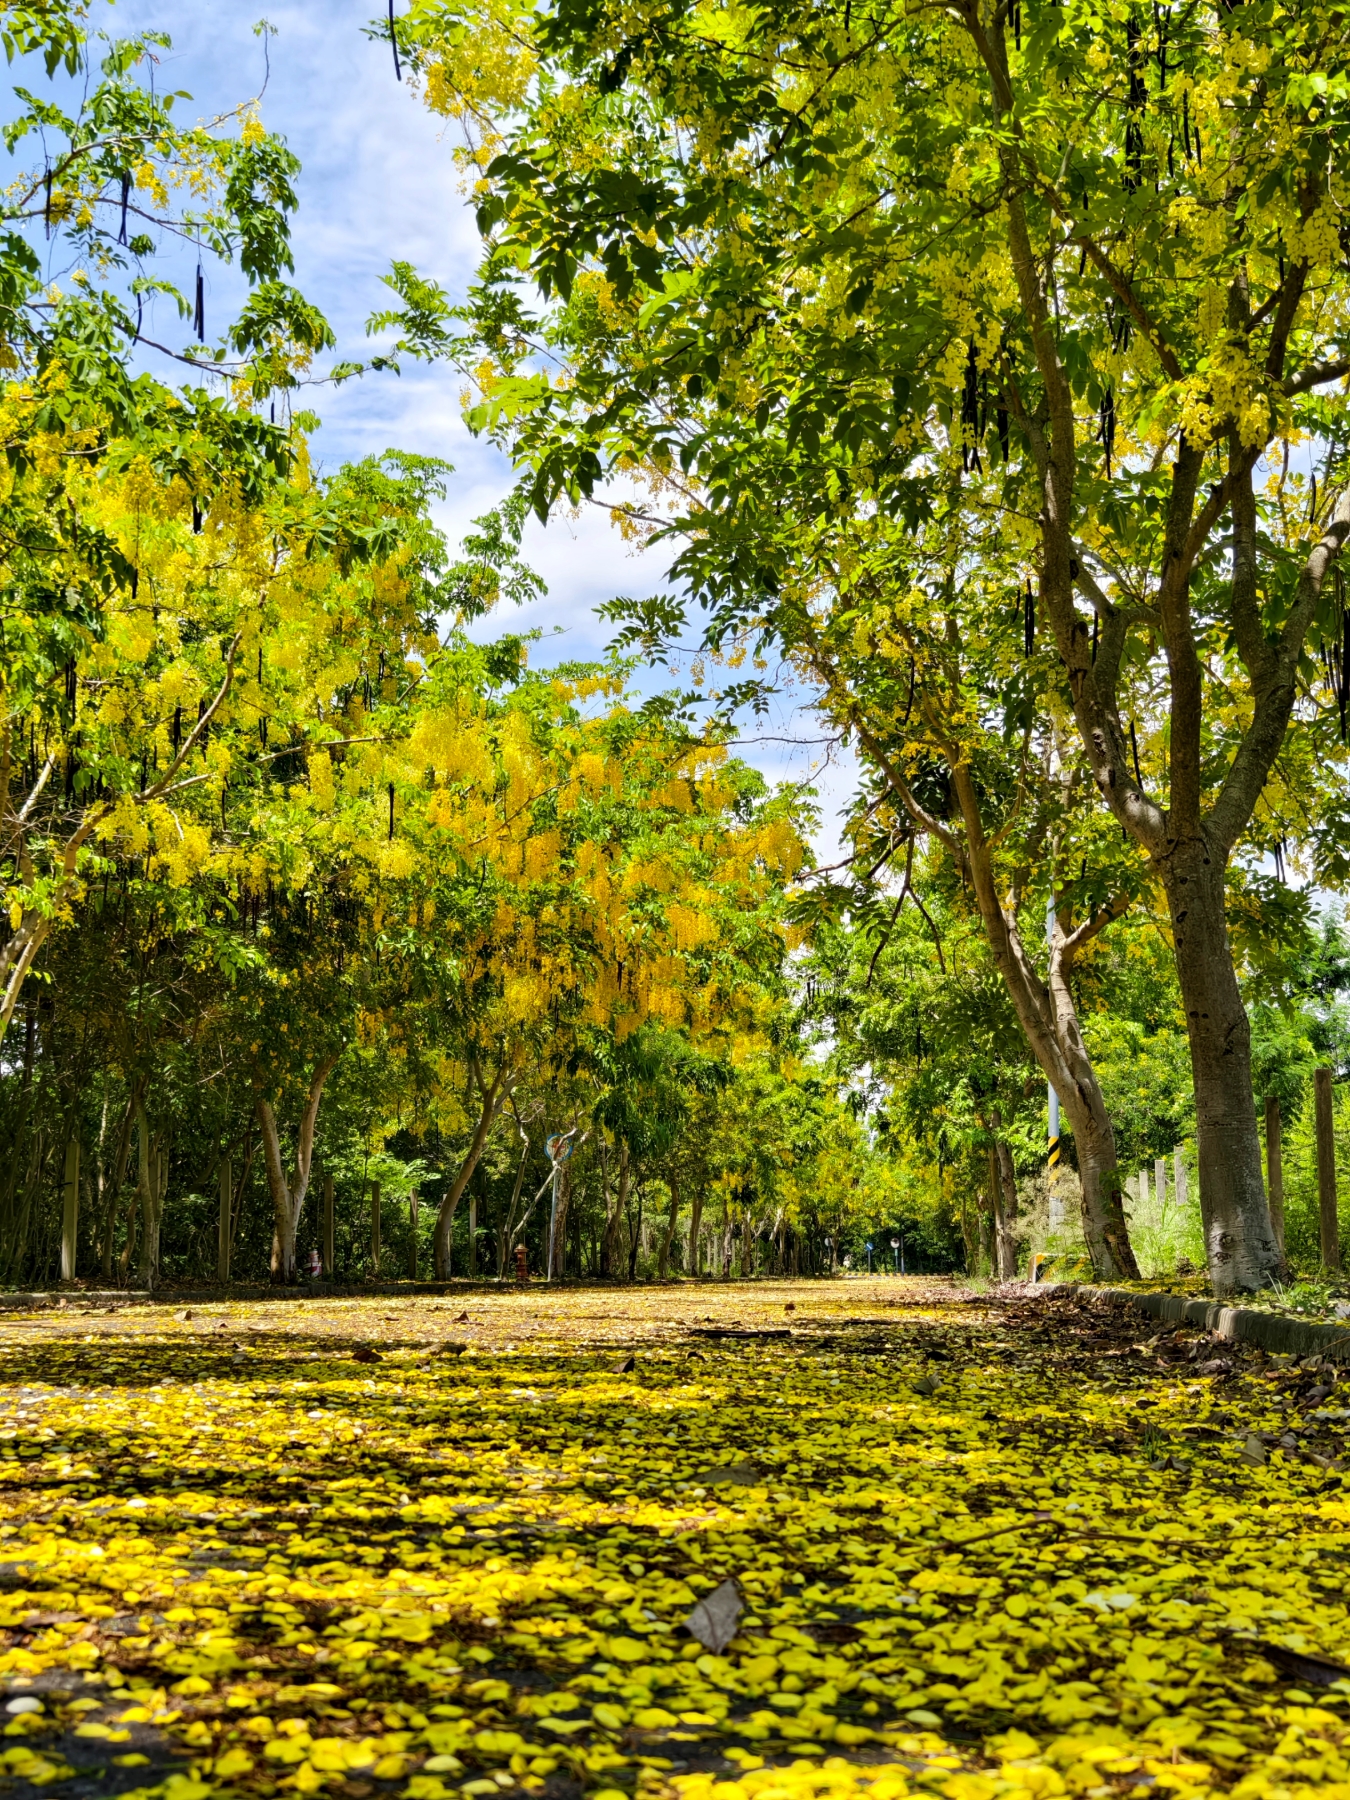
(983, 1547)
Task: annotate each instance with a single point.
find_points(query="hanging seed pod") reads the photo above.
(1134, 752)
(47, 200)
(262, 730)
(393, 39)
(1106, 427)
(196, 517)
(199, 310)
(176, 730)
(1001, 419)
(72, 688)
(970, 414)
(126, 195)
(1136, 101)
(391, 812)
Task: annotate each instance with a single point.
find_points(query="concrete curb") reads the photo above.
(1275, 1332)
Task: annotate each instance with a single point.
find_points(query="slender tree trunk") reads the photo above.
(1275, 1167)
(1046, 1011)
(494, 1097)
(693, 1259)
(635, 1237)
(558, 1260)
(152, 1169)
(673, 1182)
(1240, 1244)
(289, 1188)
(970, 1233)
(619, 1212)
(1329, 1231)
(988, 1224)
(1003, 1184)
(117, 1181)
(507, 1229)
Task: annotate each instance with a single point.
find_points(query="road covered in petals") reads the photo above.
(978, 1545)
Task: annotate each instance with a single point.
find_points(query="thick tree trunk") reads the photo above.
(1240, 1240)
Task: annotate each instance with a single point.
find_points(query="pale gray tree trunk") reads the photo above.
(288, 1187)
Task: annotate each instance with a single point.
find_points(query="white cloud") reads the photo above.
(378, 183)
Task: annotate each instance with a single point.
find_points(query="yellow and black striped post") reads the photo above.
(1056, 1152)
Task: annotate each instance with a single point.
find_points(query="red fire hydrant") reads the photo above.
(522, 1257)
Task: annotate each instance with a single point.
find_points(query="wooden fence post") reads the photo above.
(329, 1235)
(1275, 1166)
(375, 1227)
(1326, 1171)
(70, 1210)
(226, 1219)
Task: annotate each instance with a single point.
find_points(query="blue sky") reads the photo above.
(379, 184)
